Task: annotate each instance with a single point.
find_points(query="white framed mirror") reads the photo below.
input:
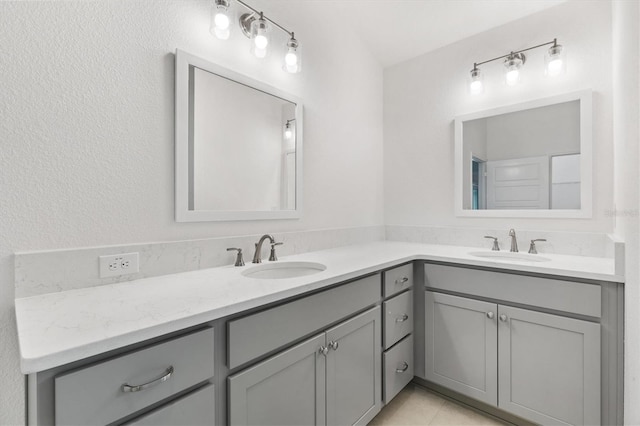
(238, 146)
(532, 159)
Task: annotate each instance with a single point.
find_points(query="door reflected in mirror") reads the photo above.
(525, 160)
(238, 146)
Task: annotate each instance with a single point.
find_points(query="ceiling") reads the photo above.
(397, 30)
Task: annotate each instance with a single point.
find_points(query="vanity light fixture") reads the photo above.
(220, 20)
(256, 26)
(259, 37)
(288, 131)
(477, 85)
(514, 62)
(512, 65)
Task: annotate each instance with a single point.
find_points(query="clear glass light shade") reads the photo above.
(292, 61)
(260, 38)
(476, 84)
(221, 20)
(555, 61)
(512, 66)
(288, 131)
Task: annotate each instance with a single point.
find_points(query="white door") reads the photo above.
(521, 183)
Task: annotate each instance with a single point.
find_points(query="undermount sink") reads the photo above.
(279, 270)
(505, 255)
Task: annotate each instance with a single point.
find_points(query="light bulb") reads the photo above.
(260, 53)
(220, 20)
(288, 133)
(476, 87)
(291, 59)
(512, 77)
(554, 67)
(261, 42)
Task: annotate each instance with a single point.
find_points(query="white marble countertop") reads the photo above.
(57, 328)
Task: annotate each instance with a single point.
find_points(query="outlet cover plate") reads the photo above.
(114, 265)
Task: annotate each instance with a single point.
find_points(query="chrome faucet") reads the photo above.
(514, 242)
(257, 255)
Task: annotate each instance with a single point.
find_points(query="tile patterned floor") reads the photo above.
(418, 406)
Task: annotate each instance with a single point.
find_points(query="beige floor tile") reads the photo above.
(418, 406)
(453, 414)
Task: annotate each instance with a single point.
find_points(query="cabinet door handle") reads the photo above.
(402, 280)
(490, 315)
(324, 350)
(137, 388)
(333, 345)
(402, 318)
(404, 368)
(503, 318)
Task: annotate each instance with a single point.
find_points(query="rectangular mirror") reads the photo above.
(526, 160)
(238, 146)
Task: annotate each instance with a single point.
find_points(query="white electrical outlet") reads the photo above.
(119, 264)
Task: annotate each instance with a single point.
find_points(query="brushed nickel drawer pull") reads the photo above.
(402, 318)
(404, 368)
(137, 388)
(402, 280)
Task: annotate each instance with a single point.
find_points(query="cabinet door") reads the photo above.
(354, 383)
(461, 345)
(287, 389)
(549, 367)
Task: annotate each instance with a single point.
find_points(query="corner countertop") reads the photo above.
(58, 328)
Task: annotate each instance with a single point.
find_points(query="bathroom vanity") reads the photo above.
(523, 341)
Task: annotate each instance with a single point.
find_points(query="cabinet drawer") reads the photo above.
(258, 334)
(398, 368)
(194, 409)
(567, 296)
(398, 318)
(398, 279)
(95, 395)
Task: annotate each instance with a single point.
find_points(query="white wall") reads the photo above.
(87, 107)
(626, 89)
(423, 95)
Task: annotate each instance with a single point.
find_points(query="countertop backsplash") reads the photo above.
(569, 243)
(41, 272)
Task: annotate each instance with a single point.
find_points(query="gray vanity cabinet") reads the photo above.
(549, 367)
(333, 378)
(287, 389)
(462, 345)
(542, 367)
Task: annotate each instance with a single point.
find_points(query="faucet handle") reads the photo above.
(239, 259)
(532, 247)
(272, 256)
(495, 247)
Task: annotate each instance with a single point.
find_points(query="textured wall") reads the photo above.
(423, 95)
(87, 107)
(626, 86)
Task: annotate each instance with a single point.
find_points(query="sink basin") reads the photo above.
(505, 255)
(279, 270)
